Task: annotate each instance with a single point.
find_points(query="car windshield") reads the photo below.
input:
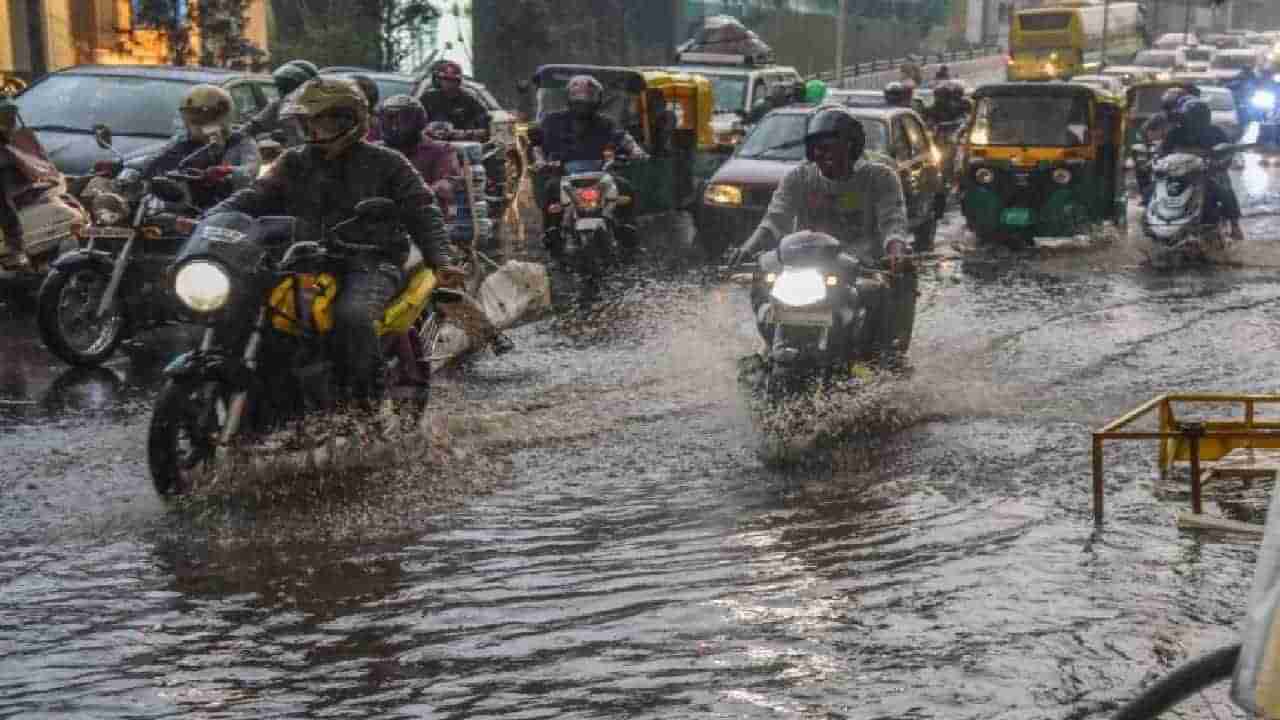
(1198, 54)
(1233, 62)
(729, 91)
(128, 105)
(1155, 59)
(387, 86)
(1037, 120)
(781, 137)
(1219, 101)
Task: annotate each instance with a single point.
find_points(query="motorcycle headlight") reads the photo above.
(723, 195)
(1263, 100)
(109, 209)
(202, 286)
(1062, 176)
(984, 176)
(798, 288)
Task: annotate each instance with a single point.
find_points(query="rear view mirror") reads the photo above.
(102, 134)
(376, 209)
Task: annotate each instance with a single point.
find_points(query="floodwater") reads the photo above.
(634, 548)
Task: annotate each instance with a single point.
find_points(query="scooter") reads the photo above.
(48, 212)
(589, 200)
(813, 309)
(1180, 223)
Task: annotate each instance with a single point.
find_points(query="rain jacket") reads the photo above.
(464, 111)
(322, 193)
(865, 213)
(562, 138)
(436, 162)
(240, 152)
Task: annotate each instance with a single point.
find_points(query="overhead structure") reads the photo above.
(722, 40)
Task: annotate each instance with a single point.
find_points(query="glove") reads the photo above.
(217, 173)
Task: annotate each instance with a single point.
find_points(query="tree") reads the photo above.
(366, 33)
(218, 25)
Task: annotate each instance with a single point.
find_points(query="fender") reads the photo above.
(75, 260)
(211, 365)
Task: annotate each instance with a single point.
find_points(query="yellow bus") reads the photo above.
(1055, 43)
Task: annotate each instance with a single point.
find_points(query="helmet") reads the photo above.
(1194, 113)
(368, 87)
(834, 122)
(290, 76)
(333, 113)
(897, 94)
(585, 94)
(1169, 100)
(401, 120)
(447, 70)
(206, 111)
(815, 91)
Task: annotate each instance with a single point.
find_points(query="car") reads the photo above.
(1196, 58)
(1226, 42)
(1160, 63)
(738, 194)
(1227, 64)
(1226, 115)
(138, 102)
(1106, 83)
(389, 83)
(736, 85)
(857, 98)
(1173, 41)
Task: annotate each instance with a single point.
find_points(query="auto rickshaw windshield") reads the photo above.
(1035, 120)
(618, 106)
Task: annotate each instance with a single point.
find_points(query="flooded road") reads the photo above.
(637, 552)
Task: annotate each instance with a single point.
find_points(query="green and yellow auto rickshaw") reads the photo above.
(666, 112)
(1041, 159)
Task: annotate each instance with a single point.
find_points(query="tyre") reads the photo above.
(185, 427)
(66, 311)
(1206, 678)
(925, 234)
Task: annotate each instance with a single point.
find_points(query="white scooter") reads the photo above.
(1180, 224)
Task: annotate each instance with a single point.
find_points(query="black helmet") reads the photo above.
(585, 94)
(1194, 113)
(369, 88)
(1169, 100)
(291, 75)
(401, 120)
(832, 121)
(897, 94)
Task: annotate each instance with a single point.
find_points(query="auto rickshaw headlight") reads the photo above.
(723, 195)
(1062, 176)
(984, 176)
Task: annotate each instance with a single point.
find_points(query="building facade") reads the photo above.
(40, 36)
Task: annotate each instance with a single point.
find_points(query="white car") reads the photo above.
(1223, 106)
(1227, 64)
(1196, 58)
(1106, 83)
(1173, 41)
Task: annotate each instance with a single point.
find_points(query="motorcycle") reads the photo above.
(944, 136)
(47, 209)
(113, 287)
(588, 204)
(1267, 105)
(1180, 224)
(811, 308)
(265, 300)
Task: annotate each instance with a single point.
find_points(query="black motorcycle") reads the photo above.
(114, 285)
(265, 298)
(810, 302)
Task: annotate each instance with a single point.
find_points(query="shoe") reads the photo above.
(502, 344)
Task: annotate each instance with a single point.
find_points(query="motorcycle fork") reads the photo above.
(235, 413)
(122, 262)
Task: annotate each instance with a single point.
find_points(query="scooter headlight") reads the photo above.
(1263, 100)
(798, 288)
(202, 286)
(1062, 176)
(984, 176)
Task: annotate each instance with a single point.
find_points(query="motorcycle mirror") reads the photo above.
(376, 209)
(167, 190)
(102, 134)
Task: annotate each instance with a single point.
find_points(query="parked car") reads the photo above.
(138, 102)
(738, 194)
(1226, 115)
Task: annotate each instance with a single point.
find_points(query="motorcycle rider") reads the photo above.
(1195, 130)
(898, 94)
(287, 78)
(1153, 133)
(580, 133)
(943, 74)
(860, 202)
(778, 96)
(231, 161)
(949, 104)
(12, 181)
(448, 101)
(320, 183)
(401, 122)
(815, 92)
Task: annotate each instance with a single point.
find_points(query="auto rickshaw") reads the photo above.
(1143, 100)
(668, 113)
(1041, 159)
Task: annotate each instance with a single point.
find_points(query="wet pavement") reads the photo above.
(638, 552)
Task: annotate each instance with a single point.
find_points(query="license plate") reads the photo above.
(108, 232)
(802, 316)
(1018, 217)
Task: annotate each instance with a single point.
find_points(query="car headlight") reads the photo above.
(1050, 69)
(202, 286)
(984, 176)
(1263, 100)
(730, 195)
(798, 288)
(1062, 176)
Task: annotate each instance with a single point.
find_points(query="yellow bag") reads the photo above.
(317, 292)
(407, 306)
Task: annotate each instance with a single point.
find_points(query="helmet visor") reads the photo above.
(327, 127)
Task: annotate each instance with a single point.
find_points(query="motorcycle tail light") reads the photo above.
(589, 197)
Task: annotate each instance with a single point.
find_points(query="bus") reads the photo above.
(1055, 43)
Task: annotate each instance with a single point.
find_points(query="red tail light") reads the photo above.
(589, 196)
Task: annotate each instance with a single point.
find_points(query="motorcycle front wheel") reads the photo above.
(189, 416)
(66, 313)
(1197, 688)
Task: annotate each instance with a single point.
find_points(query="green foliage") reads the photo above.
(218, 23)
(365, 33)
